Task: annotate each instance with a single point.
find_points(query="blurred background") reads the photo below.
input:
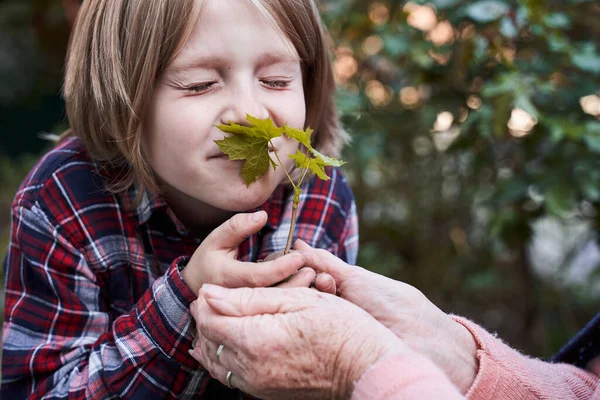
(476, 147)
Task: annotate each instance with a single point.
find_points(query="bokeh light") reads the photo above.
(474, 102)
(345, 65)
(410, 96)
(443, 33)
(590, 105)
(379, 13)
(520, 123)
(378, 94)
(372, 45)
(443, 121)
(420, 17)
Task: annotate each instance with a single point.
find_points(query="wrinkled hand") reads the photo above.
(405, 311)
(214, 261)
(321, 281)
(288, 343)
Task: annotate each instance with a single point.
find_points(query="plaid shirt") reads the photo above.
(95, 304)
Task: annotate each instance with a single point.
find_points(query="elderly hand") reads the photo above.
(287, 343)
(406, 312)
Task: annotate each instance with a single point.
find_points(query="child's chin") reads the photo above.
(246, 201)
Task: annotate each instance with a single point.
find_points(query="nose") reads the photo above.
(245, 99)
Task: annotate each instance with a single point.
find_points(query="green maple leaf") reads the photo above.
(315, 165)
(302, 136)
(260, 128)
(251, 144)
(326, 160)
(255, 152)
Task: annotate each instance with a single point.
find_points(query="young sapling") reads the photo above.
(251, 144)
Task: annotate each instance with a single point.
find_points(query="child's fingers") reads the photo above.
(233, 231)
(303, 278)
(262, 274)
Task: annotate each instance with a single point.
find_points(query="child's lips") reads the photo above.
(271, 149)
(217, 154)
(219, 157)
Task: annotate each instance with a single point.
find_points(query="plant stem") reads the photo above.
(288, 245)
(295, 202)
(282, 166)
(304, 174)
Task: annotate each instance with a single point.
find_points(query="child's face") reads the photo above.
(234, 62)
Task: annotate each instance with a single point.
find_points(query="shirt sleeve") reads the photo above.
(343, 214)
(62, 338)
(346, 247)
(505, 373)
(327, 217)
(404, 376)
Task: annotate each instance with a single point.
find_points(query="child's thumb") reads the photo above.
(237, 228)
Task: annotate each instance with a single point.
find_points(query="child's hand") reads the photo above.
(215, 259)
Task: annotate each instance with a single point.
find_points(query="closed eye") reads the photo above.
(201, 88)
(276, 83)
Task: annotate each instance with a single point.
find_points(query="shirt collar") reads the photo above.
(151, 202)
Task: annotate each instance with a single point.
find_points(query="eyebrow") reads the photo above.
(206, 62)
(277, 58)
(216, 62)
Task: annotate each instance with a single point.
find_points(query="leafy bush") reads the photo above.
(476, 137)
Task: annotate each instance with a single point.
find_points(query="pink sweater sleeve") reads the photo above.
(404, 376)
(504, 373)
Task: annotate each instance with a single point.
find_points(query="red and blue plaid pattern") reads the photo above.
(95, 305)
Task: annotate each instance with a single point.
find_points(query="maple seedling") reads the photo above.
(251, 144)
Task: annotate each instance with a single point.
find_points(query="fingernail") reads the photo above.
(299, 241)
(191, 352)
(194, 342)
(213, 290)
(257, 216)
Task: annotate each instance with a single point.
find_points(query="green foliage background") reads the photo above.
(459, 208)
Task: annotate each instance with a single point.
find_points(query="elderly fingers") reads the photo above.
(223, 363)
(323, 261)
(325, 283)
(244, 302)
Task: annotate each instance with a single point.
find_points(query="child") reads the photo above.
(110, 231)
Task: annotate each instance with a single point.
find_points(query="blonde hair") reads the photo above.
(119, 48)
